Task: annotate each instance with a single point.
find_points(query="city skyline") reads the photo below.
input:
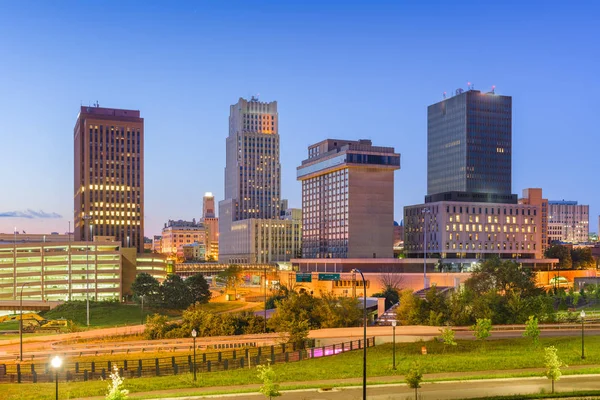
(356, 71)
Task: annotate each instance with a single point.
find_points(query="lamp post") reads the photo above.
(56, 363)
(394, 343)
(364, 333)
(194, 334)
(143, 308)
(21, 323)
(582, 336)
(265, 276)
(425, 211)
(87, 271)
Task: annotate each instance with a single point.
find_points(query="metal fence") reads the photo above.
(205, 362)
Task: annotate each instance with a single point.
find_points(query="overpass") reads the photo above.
(29, 305)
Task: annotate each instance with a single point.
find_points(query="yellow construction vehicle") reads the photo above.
(33, 322)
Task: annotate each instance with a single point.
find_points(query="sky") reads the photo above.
(338, 69)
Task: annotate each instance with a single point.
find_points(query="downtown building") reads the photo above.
(348, 200)
(54, 268)
(470, 212)
(109, 175)
(251, 228)
(568, 222)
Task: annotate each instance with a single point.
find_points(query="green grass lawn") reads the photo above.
(477, 360)
(102, 314)
(9, 326)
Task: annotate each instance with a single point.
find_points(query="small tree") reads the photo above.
(199, 289)
(270, 387)
(115, 386)
(448, 337)
(414, 378)
(482, 328)
(552, 364)
(531, 330)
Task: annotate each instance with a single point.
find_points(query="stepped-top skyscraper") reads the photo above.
(109, 175)
(252, 170)
(250, 226)
(469, 145)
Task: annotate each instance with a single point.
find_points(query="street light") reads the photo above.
(364, 333)
(194, 334)
(143, 308)
(87, 271)
(265, 273)
(394, 345)
(582, 330)
(425, 211)
(21, 323)
(56, 363)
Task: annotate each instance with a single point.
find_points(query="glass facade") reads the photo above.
(469, 144)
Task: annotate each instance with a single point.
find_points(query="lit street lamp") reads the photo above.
(21, 323)
(364, 333)
(194, 334)
(582, 330)
(394, 341)
(56, 363)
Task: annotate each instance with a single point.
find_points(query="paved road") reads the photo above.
(42, 344)
(447, 390)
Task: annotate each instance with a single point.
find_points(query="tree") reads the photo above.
(295, 316)
(174, 293)
(531, 330)
(502, 276)
(199, 289)
(448, 337)
(115, 386)
(391, 295)
(414, 378)
(156, 327)
(562, 253)
(552, 364)
(270, 387)
(148, 286)
(408, 312)
(337, 312)
(231, 277)
(482, 328)
(582, 258)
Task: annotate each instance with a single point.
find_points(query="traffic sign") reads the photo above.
(329, 277)
(303, 277)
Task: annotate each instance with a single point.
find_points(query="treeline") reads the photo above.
(294, 316)
(499, 290)
(173, 293)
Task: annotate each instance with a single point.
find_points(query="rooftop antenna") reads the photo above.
(444, 95)
(493, 89)
(96, 104)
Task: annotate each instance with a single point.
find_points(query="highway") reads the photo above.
(42, 346)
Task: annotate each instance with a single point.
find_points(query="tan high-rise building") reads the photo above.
(348, 199)
(533, 196)
(109, 175)
(568, 221)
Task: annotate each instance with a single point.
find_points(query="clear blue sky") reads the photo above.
(338, 69)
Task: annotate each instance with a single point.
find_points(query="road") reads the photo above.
(444, 390)
(40, 346)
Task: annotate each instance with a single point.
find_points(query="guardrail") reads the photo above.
(205, 362)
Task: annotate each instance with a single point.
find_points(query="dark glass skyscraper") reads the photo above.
(469, 144)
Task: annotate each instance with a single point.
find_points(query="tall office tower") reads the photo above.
(348, 199)
(251, 228)
(568, 222)
(469, 147)
(208, 205)
(253, 171)
(109, 175)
